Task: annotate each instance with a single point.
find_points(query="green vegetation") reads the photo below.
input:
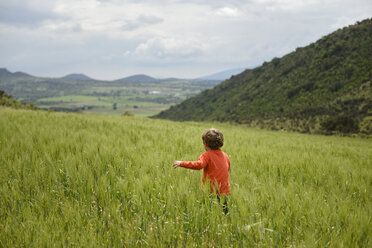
(7, 101)
(301, 91)
(107, 181)
(147, 97)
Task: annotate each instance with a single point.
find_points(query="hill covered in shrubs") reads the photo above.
(7, 101)
(323, 87)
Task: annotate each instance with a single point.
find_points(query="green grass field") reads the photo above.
(107, 181)
(144, 106)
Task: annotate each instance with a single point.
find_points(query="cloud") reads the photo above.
(141, 21)
(63, 26)
(18, 13)
(227, 12)
(161, 47)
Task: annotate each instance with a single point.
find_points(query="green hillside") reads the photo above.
(306, 90)
(7, 101)
(69, 180)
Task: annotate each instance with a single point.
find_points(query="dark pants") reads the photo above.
(225, 208)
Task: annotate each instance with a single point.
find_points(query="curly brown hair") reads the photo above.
(213, 138)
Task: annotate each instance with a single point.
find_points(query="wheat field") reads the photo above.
(107, 181)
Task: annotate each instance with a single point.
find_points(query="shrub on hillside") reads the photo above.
(7, 101)
(342, 124)
(365, 126)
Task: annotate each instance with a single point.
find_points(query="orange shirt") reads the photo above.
(216, 166)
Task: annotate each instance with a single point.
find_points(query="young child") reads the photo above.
(215, 164)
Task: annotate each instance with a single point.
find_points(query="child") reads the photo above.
(215, 164)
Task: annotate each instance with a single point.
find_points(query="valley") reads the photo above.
(139, 95)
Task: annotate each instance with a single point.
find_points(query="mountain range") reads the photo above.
(7, 75)
(138, 78)
(325, 86)
(30, 88)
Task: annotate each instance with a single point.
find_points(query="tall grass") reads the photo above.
(85, 180)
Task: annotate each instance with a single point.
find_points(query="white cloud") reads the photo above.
(62, 26)
(227, 12)
(167, 47)
(141, 21)
(288, 4)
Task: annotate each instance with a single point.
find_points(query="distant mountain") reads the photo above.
(326, 86)
(140, 78)
(76, 76)
(7, 75)
(223, 75)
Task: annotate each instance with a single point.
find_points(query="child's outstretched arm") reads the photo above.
(194, 165)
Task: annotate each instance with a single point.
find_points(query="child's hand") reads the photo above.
(176, 164)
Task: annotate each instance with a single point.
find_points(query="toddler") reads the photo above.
(215, 164)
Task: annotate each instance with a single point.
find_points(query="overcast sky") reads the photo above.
(111, 39)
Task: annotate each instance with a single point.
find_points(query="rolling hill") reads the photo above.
(140, 78)
(323, 87)
(7, 75)
(77, 76)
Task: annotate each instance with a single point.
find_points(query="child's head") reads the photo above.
(213, 138)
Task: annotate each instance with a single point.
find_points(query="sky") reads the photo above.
(112, 39)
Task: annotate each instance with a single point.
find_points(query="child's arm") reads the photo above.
(176, 164)
(194, 165)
